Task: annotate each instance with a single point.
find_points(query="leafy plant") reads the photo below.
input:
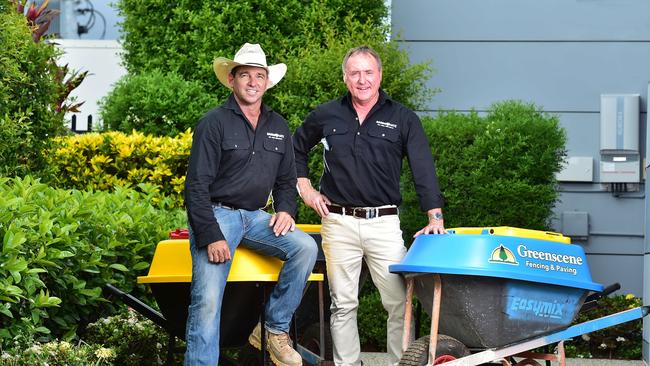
(371, 320)
(136, 340)
(69, 81)
(38, 19)
(59, 354)
(623, 341)
(185, 37)
(155, 103)
(28, 91)
(310, 37)
(493, 170)
(33, 89)
(106, 161)
(61, 247)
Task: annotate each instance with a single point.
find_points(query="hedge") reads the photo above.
(59, 249)
(497, 169)
(104, 161)
(310, 37)
(29, 90)
(494, 170)
(156, 103)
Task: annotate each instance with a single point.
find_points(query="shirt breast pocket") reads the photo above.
(275, 146)
(235, 146)
(384, 133)
(334, 139)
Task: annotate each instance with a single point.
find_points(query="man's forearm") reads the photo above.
(304, 186)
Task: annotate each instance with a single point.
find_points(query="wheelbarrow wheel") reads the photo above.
(447, 349)
(311, 340)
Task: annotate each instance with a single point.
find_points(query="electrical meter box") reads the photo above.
(619, 138)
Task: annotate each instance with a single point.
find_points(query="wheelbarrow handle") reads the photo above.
(591, 301)
(140, 306)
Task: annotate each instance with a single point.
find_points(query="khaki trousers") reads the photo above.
(346, 242)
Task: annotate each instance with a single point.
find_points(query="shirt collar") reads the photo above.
(383, 98)
(231, 103)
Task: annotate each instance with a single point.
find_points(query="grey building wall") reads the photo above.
(561, 55)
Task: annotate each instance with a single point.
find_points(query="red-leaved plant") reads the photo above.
(39, 20)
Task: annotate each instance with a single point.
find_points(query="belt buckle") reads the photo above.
(370, 213)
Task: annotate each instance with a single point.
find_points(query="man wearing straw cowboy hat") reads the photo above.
(241, 153)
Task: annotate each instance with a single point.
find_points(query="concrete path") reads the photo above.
(380, 359)
(597, 362)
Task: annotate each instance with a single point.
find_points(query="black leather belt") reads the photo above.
(224, 205)
(363, 212)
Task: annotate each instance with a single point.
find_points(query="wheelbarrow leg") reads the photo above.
(530, 357)
(408, 311)
(321, 319)
(263, 328)
(435, 318)
(560, 353)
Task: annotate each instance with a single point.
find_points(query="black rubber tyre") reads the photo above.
(418, 351)
(310, 339)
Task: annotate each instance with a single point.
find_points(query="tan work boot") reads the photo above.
(255, 338)
(282, 354)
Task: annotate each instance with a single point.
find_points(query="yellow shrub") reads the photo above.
(103, 161)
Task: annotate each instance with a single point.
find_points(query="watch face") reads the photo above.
(436, 216)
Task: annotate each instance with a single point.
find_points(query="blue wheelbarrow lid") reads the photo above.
(505, 256)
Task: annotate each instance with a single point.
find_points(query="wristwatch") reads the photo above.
(436, 216)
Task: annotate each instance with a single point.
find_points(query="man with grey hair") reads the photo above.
(365, 135)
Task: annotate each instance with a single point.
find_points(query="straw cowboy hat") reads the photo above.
(248, 55)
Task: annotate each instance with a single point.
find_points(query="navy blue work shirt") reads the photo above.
(232, 164)
(363, 161)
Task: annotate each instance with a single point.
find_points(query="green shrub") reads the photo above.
(126, 338)
(59, 354)
(491, 168)
(185, 37)
(105, 161)
(371, 320)
(494, 170)
(29, 92)
(620, 342)
(314, 74)
(61, 247)
(136, 340)
(310, 37)
(155, 103)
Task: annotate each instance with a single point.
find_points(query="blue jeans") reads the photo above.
(250, 228)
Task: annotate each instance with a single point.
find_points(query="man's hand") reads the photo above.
(218, 252)
(282, 223)
(313, 198)
(435, 225)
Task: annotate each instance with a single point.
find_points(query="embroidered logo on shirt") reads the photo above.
(392, 126)
(275, 136)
